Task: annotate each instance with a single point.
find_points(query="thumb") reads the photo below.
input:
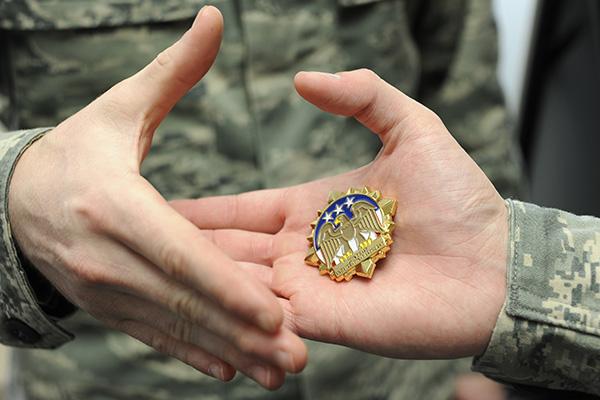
(148, 96)
(365, 96)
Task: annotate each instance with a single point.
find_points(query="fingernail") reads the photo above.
(216, 371)
(285, 360)
(267, 322)
(328, 75)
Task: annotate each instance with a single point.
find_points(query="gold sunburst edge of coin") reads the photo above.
(351, 234)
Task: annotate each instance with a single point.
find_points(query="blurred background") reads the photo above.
(515, 20)
(549, 55)
(550, 58)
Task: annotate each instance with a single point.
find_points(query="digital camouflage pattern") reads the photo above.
(74, 14)
(244, 128)
(548, 333)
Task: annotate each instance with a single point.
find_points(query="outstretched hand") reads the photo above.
(81, 212)
(441, 287)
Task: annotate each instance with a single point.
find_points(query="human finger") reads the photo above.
(262, 273)
(258, 211)
(177, 248)
(282, 349)
(147, 282)
(368, 98)
(148, 96)
(246, 246)
(172, 336)
(192, 355)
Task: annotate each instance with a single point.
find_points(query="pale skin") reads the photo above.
(440, 289)
(81, 212)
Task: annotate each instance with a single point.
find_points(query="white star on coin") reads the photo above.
(338, 209)
(349, 202)
(327, 217)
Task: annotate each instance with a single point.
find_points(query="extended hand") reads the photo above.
(111, 244)
(440, 289)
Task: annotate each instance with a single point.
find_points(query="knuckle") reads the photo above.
(87, 273)
(92, 288)
(244, 342)
(186, 305)
(165, 62)
(368, 74)
(432, 118)
(89, 210)
(181, 330)
(229, 300)
(161, 343)
(94, 276)
(181, 303)
(115, 108)
(164, 59)
(84, 283)
(429, 120)
(173, 261)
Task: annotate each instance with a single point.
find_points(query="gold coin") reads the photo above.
(351, 234)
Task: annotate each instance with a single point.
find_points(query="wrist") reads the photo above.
(23, 322)
(20, 195)
(494, 286)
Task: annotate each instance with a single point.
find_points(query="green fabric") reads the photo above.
(548, 333)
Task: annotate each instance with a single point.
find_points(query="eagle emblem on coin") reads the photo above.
(351, 234)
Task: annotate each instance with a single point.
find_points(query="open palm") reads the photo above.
(438, 292)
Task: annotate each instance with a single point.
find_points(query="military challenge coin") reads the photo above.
(351, 234)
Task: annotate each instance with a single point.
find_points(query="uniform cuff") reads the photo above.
(22, 321)
(547, 333)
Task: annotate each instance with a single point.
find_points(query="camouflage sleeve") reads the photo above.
(23, 323)
(548, 332)
(457, 40)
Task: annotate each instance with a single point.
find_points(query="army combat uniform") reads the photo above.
(241, 128)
